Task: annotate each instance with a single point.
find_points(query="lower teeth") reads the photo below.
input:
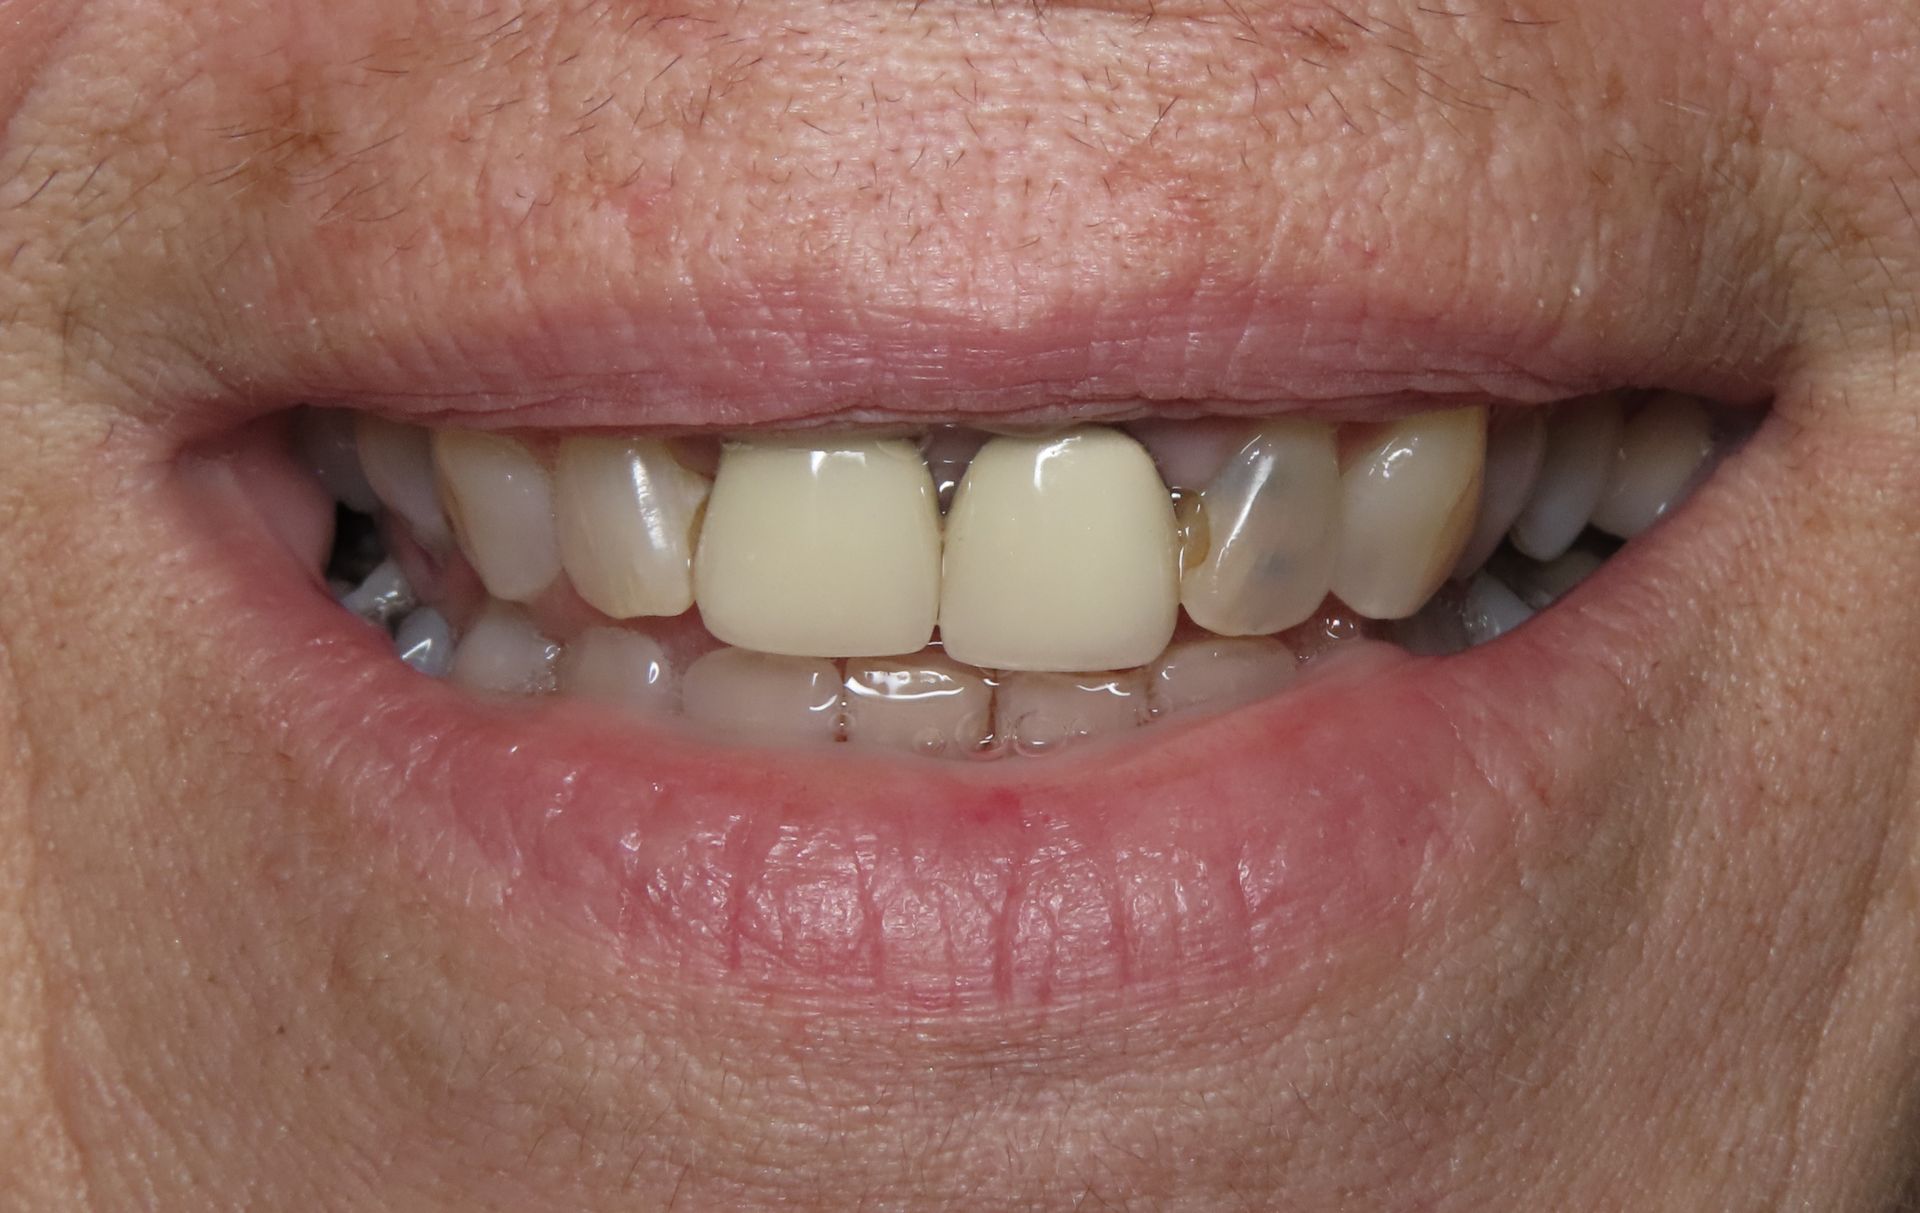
(553, 642)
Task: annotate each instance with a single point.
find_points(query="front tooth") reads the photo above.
(626, 511)
(1514, 452)
(1061, 555)
(1581, 440)
(816, 551)
(764, 697)
(926, 704)
(1271, 515)
(617, 665)
(398, 461)
(501, 503)
(1660, 451)
(1037, 713)
(1218, 672)
(503, 651)
(1406, 507)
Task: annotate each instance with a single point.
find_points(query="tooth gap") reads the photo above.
(504, 566)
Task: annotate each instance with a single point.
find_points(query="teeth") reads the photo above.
(1190, 454)
(1491, 610)
(925, 703)
(1541, 585)
(1406, 506)
(1061, 555)
(398, 460)
(1270, 520)
(615, 665)
(425, 641)
(821, 551)
(503, 651)
(502, 508)
(1038, 713)
(1514, 453)
(1661, 450)
(626, 511)
(324, 440)
(384, 596)
(784, 699)
(1218, 672)
(1581, 440)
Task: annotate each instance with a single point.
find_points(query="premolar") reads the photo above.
(627, 516)
(501, 502)
(1582, 437)
(821, 550)
(1061, 555)
(1662, 449)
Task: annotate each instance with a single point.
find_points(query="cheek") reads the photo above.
(29, 29)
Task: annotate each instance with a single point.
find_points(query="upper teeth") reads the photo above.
(1057, 554)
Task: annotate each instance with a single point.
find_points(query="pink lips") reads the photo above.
(1349, 814)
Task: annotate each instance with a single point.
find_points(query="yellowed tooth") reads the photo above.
(1037, 713)
(761, 697)
(1661, 450)
(501, 504)
(1407, 504)
(1272, 516)
(627, 512)
(926, 703)
(1217, 672)
(1061, 555)
(821, 551)
(618, 665)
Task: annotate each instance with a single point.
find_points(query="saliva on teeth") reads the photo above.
(966, 595)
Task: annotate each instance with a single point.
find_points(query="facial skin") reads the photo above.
(225, 990)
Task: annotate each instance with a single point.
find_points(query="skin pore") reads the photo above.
(1689, 986)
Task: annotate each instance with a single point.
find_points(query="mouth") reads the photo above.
(956, 714)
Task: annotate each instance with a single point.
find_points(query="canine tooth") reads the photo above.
(1582, 437)
(1271, 515)
(1190, 454)
(382, 597)
(617, 665)
(925, 703)
(1217, 672)
(764, 697)
(424, 640)
(324, 440)
(501, 504)
(398, 460)
(1036, 713)
(626, 511)
(503, 651)
(1661, 449)
(1514, 452)
(821, 551)
(1406, 506)
(1491, 610)
(1061, 555)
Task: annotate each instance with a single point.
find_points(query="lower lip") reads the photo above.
(1355, 812)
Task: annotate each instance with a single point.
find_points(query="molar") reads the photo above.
(1407, 506)
(821, 551)
(1061, 555)
(626, 512)
(501, 504)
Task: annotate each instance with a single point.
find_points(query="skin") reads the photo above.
(220, 995)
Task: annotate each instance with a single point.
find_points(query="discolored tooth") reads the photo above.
(1037, 713)
(1662, 448)
(1271, 519)
(926, 703)
(424, 640)
(1406, 506)
(323, 439)
(382, 597)
(1540, 585)
(1061, 555)
(1491, 610)
(763, 697)
(398, 460)
(501, 504)
(617, 665)
(1218, 672)
(1514, 453)
(821, 551)
(1582, 437)
(626, 511)
(503, 651)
